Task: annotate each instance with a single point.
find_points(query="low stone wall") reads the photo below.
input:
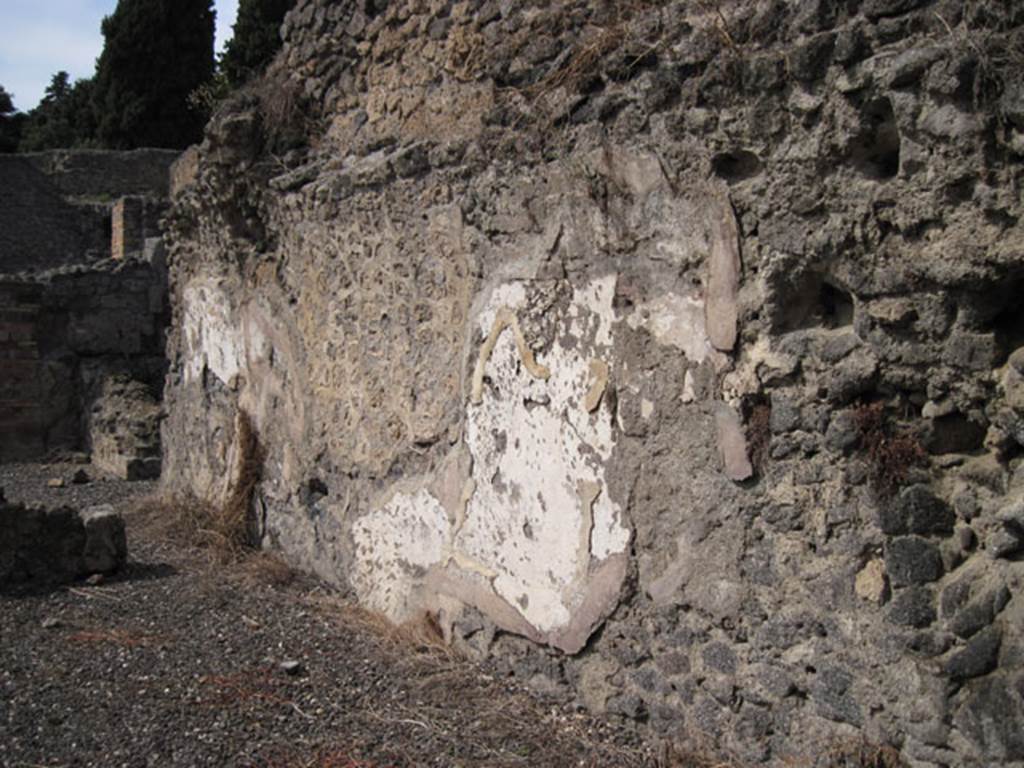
(41, 546)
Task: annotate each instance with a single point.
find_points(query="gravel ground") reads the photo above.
(183, 661)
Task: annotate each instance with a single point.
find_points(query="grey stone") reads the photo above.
(954, 597)
(814, 15)
(765, 683)
(106, 546)
(916, 509)
(719, 657)
(966, 537)
(875, 9)
(852, 377)
(785, 414)
(913, 607)
(411, 161)
(1003, 540)
(832, 692)
(912, 560)
(838, 347)
(629, 706)
(953, 434)
(674, 663)
(972, 618)
(990, 717)
(971, 351)
(810, 59)
(977, 658)
(843, 432)
(908, 67)
(851, 44)
(929, 644)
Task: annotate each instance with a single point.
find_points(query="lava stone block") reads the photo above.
(912, 560)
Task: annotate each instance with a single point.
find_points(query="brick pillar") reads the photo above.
(127, 227)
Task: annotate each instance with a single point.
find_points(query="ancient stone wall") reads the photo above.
(105, 174)
(74, 326)
(56, 206)
(666, 352)
(63, 337)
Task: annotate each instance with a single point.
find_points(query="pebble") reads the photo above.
(293, 668)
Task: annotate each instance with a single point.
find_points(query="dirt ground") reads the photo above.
(188, 659)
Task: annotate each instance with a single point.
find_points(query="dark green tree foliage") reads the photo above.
(11, 123)
(156, 52)
(64, 118)
(255, 40)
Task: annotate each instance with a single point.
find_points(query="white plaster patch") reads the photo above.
(534, 447)
(677, 321)
(689, 393)
(394, 546)
(212, 340)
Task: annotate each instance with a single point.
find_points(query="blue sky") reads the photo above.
(41, 37)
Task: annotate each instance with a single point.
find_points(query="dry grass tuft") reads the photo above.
(241, 687)
(236, 522)
(856, 754)
(285, 113)
(758, 432)
(892, 455)
(188, 522)
(324, 757)
(624, 31)
(266, 568)
(228, 531)
(510, 726)
(990, 32)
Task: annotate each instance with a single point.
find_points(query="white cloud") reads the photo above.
(227, 10)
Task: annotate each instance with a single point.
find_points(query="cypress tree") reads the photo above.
(11, 122)
(255, 39)
(155, 53)
(64, 118)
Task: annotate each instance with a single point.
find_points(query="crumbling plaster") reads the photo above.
(533, 535)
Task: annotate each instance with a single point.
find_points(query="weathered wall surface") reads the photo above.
(669, 355)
